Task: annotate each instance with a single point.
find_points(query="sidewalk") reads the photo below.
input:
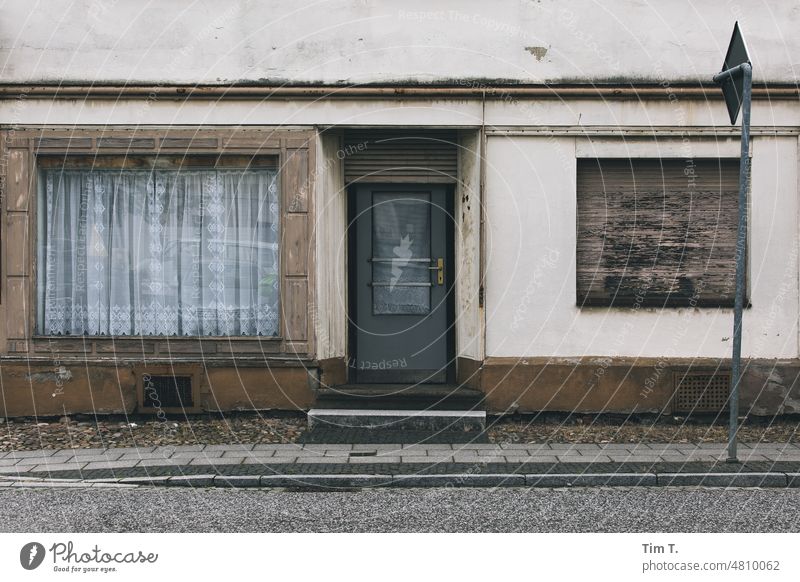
(361, 465)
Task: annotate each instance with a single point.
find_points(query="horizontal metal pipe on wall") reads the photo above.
(471, 91)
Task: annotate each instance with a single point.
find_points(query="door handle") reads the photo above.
(439, 268)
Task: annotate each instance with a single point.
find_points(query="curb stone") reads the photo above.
(191, 481)
(237, 481)
(318, 481)
(325, 481)
(724, 479)
(144, 480)
(312, 481)
(592, 480)
(456, 480)
(52, 485)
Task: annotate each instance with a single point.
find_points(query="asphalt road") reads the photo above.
(400, 510)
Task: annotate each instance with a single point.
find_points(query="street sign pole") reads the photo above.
(737, 80)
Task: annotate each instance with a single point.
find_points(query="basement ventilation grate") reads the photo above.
(701, 392)
(167, 391)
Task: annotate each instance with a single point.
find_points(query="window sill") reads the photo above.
(160, 338)
(277, 360)
(650, 306)
(203, 348)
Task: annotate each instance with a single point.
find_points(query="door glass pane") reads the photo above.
(401, 249)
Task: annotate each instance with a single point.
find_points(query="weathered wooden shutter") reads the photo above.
(656, 232)
(420, 156)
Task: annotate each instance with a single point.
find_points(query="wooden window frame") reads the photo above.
(290, 151)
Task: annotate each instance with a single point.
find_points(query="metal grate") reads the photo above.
(701, 392)
(167, 391)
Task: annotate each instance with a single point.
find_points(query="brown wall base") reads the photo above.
(627, 385)
(333, 372)
(63, 389)
(587, 385)
(259, 389)
(108, 388)
(468, 373)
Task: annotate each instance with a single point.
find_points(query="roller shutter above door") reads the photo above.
(397, 156)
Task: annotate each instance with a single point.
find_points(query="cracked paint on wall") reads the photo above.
(537, 51)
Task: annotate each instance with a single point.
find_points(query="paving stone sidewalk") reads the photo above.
(359, 465)
(53, 461)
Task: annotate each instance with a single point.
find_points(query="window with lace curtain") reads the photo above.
(187, 251)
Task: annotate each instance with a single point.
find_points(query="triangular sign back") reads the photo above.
(733, 87)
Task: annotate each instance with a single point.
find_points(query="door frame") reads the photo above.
(352, 266)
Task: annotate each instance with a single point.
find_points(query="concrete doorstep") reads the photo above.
(398, 420)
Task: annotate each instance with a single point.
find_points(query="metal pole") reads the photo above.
(741, 243)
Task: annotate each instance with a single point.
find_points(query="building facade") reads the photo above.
(235, 210)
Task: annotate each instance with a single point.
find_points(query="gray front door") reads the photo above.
(401, 284)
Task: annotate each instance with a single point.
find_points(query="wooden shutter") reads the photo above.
(419, 156)
(656, 232)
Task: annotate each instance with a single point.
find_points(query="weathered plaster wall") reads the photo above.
(530, 200)
(531, 305)
(330, 315)
(469, 314)
(111, 387)
(360, 41)
(627, 385)
(584, 114)
(541, 350)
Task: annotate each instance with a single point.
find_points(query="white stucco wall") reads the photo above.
(380, 41)
(468, 312)
(587, 115)
(530, 290)
(330, 235)
(529, 196)
(530, 211)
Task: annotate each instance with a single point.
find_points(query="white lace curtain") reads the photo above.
(170, 253)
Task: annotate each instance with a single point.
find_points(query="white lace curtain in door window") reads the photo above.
(170, 253)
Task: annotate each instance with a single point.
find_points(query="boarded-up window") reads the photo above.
(656, 232)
